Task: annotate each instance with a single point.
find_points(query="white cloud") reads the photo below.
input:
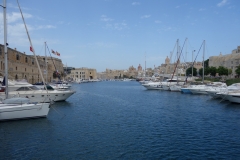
(157, 21)
(135, 3)
(222, 3)
(14, 17)
(146, 16)
(105, 18)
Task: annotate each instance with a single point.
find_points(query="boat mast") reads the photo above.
(203, 59)
(145, 68)
(5, 47)
(33, 49)
(177, 58)
(46, 70)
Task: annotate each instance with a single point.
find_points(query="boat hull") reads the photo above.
(24, 111)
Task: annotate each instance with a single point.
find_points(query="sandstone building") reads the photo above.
(22, 66)
(230, 61)
(78, 74)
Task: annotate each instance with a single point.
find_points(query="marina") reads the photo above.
(124, 120)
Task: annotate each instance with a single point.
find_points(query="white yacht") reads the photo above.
(38, 95)
(170, 82)
(176, 88)
(153, 85)
(20, 108)
(13, 85)
(202, 89)
(232, 96)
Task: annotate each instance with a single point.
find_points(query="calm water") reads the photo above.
(123, 120)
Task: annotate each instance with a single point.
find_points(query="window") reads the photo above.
(0, 51)
(32, 61)
(17, 57)
(25, 69)
(16, 68)
(26, 59)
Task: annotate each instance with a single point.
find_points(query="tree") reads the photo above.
(206, 71)
(212, 71)
(237, 71)
(222, 71)
(189, 71)
(206, 63)
(229, 71)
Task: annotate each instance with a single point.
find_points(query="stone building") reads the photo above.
(22, 66)
(168, 68)
(78, 74)
(230, 61)
(114, 74)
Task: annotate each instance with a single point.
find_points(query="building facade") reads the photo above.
(230, 61)
(78, 74)
(22, 66)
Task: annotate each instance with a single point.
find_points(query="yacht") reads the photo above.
(153, 85)
(20, 108)
(40, 95)
(202, 89)
(170, 82)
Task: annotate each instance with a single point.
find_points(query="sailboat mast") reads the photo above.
(203, 59)
(145, 68)
(177, 58)
(32, 48)
(5, 48)
(46, 70)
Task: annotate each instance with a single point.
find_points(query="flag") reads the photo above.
(58, 54)
(31, 49)
(53, 52)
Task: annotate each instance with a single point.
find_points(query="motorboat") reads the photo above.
(40, 95)
(176, 88)
(232, 96)
(170, 82)
(153, 85)
(202, 89)
(13, 85)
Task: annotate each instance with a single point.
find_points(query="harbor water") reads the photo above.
(123, 120)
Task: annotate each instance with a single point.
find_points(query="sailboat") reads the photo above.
(18, 108)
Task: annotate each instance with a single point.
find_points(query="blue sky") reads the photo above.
(117, 34)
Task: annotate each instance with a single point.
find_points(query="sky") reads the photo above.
(117, 34)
